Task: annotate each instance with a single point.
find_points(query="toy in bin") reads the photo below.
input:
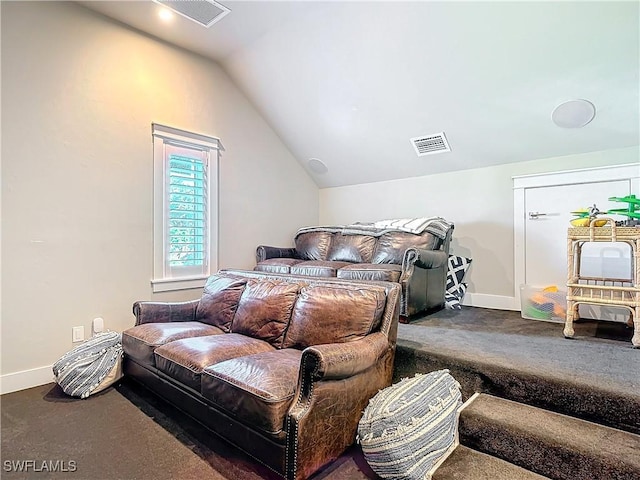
(547, 303)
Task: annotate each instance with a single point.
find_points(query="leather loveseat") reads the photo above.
(278, 365)
(417, 261)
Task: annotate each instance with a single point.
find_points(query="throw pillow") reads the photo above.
(410, 428)
(456, 270)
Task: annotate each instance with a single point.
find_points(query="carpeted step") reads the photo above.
(595, 381)
(554, 445)
(467, 464)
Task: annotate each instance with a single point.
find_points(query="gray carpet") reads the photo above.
(554, 445)
(126, 433)
(601, 354)
(467, 464)
(594, 376)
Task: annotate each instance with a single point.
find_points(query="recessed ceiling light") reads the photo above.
(573, 114)
(165, 14)
(317, 166)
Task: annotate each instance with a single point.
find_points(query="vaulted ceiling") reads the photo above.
(351, 82)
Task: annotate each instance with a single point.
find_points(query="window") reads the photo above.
(185, 208)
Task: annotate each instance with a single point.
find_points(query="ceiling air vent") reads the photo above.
(203, 12)
(428, 144)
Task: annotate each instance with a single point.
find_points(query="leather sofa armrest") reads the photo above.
(341, 360)
(264, 252)
(324, 403)
(158, 312)
(424, 258)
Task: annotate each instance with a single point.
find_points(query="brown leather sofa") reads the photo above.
(418, 262)
(280, 366)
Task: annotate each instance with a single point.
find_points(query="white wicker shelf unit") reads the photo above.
(619, 292)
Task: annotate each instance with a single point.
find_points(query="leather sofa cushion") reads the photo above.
(318, 268)
(392, 245)
(220, 300)
(387, 272)
(184, 360)
(139, 342)
(351, 248)
(277, 265)
(334, 314)
(257, 389)
(265, 309)
(313, 245)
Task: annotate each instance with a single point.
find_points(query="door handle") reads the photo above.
(534, 215)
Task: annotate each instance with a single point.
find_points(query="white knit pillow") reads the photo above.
(409, 428)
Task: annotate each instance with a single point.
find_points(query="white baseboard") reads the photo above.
(12, 382)
(497, 302)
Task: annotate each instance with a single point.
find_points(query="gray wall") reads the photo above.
(79, 93)
(479, 202)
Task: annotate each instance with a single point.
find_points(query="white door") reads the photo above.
(547, 211)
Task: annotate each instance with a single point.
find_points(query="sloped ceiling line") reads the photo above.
(350, 82)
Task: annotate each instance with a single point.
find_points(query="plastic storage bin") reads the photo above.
(543, 303)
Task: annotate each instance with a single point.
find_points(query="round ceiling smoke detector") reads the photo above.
(573, 114)
(317, 166)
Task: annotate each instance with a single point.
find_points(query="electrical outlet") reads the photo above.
(97, 325)
(77, 334)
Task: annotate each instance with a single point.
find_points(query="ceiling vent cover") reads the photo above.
(428, 144)
(203, 12)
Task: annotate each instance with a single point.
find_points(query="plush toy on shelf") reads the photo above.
(584, 216)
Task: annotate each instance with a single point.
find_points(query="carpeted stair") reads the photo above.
(554, 445)
(547, 407)
(595, 381)
(468, 464)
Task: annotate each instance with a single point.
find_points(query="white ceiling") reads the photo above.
(350, 82)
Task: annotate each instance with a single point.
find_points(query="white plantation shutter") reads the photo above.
(185, 226)
(186, 211)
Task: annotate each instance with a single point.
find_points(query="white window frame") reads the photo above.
(164, 279)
